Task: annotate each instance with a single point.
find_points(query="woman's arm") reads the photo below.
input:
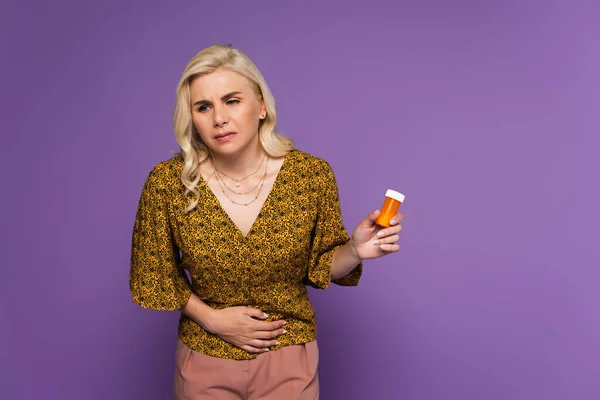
(344, 260)
(199, 311)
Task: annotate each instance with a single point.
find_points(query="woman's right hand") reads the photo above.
(237, 326)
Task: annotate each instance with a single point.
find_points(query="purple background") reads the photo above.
(484, 113)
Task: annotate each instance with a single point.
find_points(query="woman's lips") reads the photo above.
(222, 137)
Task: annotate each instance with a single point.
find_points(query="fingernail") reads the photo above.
(284, 322)
(284, 332)
(380, 234)
(266, 349)
(276, 343)
(376, 242)
(265, 314)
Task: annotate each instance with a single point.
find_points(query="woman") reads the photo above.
(254, 221)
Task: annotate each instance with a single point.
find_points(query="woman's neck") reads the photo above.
(240, 164)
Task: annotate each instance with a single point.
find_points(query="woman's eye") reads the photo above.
(232, 101)
(202, 108)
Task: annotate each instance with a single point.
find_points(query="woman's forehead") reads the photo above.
(220, 82)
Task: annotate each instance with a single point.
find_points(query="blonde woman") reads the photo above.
(254, 221)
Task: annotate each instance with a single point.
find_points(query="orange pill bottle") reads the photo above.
(390, 206)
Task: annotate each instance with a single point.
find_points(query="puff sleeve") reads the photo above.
(329, 233)
(156, 279)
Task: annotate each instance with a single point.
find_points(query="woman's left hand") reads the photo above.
(370, 240)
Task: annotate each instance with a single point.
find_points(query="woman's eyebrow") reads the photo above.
(223, 98)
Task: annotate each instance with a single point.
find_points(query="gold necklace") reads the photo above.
(233, 191)
(238, 180)
(255, 197)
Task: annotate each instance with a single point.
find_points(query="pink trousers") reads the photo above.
(289, 373)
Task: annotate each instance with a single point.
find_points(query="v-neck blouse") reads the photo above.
(226, 216)
(290, 246)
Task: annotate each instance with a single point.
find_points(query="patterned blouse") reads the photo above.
(290, 245)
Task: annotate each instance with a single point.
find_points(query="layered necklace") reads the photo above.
(219, 175)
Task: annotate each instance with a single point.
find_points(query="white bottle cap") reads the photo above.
(395, 195)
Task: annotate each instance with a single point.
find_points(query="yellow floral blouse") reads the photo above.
(290, 245)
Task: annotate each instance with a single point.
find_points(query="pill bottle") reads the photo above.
(390, 206)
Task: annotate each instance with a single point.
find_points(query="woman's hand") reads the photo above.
(372, 241)
(237, 326)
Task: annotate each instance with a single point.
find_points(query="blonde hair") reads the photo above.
(192, 149)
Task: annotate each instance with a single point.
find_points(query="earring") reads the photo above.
(262, 116)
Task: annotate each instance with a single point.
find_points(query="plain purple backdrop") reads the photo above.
(484, 113)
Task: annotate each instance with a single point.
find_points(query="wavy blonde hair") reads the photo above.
(192, 148)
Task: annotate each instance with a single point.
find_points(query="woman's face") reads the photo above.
(226, 111)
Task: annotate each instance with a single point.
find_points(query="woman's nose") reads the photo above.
(219, 117)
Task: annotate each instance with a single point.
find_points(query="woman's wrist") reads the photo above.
(200, 312)
(353, 252)
(345, 259)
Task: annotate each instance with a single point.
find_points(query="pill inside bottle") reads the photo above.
(390, 206)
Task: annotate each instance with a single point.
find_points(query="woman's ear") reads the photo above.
(263, 110)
